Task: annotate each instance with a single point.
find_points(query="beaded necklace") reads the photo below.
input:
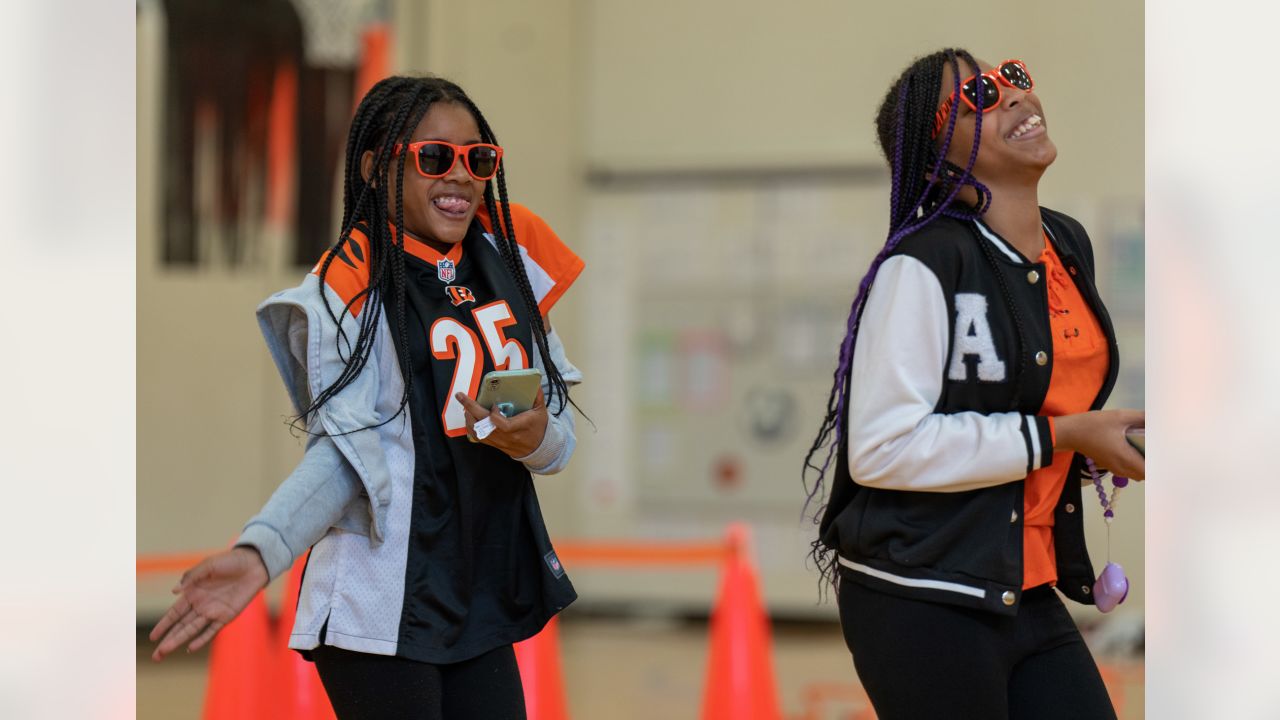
(1111, 587)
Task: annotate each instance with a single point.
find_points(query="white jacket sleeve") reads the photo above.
(896, 439)
(559, 441)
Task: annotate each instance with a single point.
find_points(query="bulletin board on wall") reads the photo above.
(723, 300)
(718, 304)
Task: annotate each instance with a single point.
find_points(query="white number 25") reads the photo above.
(451, 340)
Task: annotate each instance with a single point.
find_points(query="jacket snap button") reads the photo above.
(1032, 277)
(1070, 508)
(1041, 358)
(1072, 270)
(1014, 517)
(1085, 589)
(1008, 598)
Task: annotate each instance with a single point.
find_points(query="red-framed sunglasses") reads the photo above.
(1012, 73)
(436, 158)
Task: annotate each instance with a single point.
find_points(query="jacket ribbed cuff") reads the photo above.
(1038, 436)
(546, 459)
(270, 545)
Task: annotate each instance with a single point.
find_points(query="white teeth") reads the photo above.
(1026, 126)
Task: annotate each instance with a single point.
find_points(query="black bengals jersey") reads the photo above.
(479, 569)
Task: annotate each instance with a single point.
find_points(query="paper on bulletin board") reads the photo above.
(801, 337)
(704, 369)
(1124, 231)
(659, 448)
(656, 388)
(1123, 283)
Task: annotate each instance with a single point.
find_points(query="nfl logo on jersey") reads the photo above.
(445, 270)
(553, 562)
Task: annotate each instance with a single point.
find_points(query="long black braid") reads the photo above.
(504, 232)
(925, 186)
(386, 117)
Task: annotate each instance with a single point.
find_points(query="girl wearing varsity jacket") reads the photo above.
(429, 556)
(967, 396)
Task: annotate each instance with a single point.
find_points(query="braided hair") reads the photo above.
(924, 187)
(385, 118)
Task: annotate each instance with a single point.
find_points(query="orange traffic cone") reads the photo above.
(238, 667)
(539, 661)
(299, 693)
(740, 681)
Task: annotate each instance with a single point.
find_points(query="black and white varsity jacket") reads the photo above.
(927, 498)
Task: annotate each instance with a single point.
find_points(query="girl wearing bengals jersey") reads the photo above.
(429, 555)
(967, 394)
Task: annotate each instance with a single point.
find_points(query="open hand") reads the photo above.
(516, 436)
(210, 595)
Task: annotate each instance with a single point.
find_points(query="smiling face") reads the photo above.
(1015, 140)
(437, 211)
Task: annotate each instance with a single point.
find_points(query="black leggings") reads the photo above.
(922, 660)
(374, 687)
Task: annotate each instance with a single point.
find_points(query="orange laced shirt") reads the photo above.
(1080, 360)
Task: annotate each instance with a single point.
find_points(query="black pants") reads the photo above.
(923, 660)
(379, 687)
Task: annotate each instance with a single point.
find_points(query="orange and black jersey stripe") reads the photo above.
(549, 264)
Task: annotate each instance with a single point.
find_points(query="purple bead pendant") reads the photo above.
(1111, 588)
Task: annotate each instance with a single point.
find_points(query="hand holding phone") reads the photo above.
(1098, 434)
(501, 414)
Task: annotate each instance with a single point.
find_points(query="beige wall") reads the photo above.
(675, 84)
(211, 443)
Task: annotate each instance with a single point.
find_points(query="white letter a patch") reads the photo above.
(973, 337)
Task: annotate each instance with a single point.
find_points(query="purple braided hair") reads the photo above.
(935, 198)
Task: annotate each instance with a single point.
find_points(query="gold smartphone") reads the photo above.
(513, 391)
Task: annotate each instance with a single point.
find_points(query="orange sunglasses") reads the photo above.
(1012, 73)
(436, 158)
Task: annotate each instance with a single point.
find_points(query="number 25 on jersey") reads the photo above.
(451, 340)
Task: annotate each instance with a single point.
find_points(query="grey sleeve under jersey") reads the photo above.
(559, 441)
(310, 501)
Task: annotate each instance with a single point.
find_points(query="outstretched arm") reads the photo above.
(210, 595)
(301, 510)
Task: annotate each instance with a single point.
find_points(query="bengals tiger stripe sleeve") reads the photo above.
(551, 266)
(348, 273)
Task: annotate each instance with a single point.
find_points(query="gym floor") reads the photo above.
(625, 668)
